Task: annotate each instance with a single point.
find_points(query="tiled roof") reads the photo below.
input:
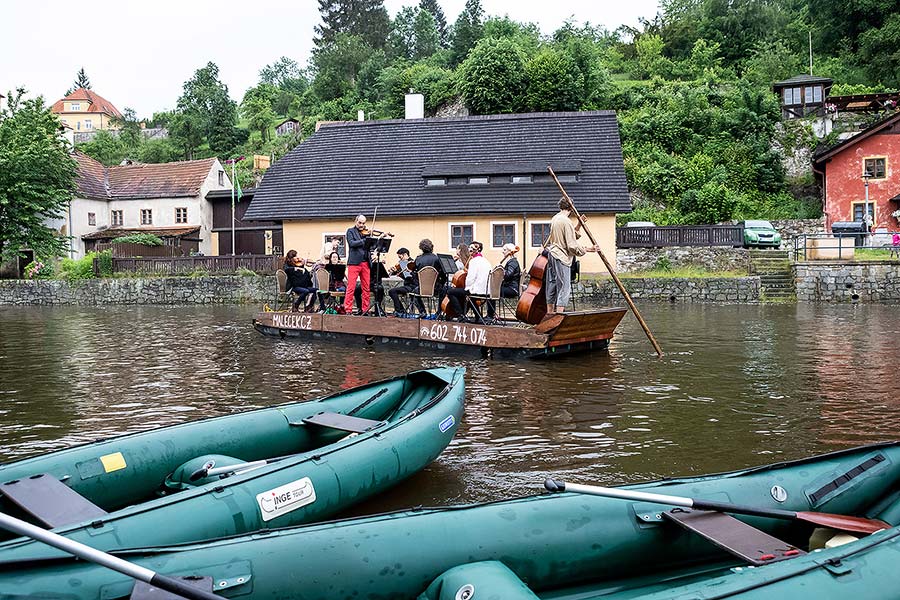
(824, 154)
(120, 182)
(353, 167)
(802, 79)
(98, 104)
(112, 233)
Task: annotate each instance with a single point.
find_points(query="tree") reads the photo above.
(427, 38)
(257, 109)
(366, 19)
(105, 148)
(337, 65)
(467, 31)
(81, 81)
(403, 33)
(186, 132)
(440, 20)
(129, 129)
(554, 82)
(492, 78)
(206, 99)
(37, 178)
(284, 74)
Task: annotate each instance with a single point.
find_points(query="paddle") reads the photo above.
(204, 472)
(105, 560)
(841, 522)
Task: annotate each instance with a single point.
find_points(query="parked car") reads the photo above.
(640, 224)
(760, 234)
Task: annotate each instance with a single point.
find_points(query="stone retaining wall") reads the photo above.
(711, 258)
(156, 290)
(724, 289)
(875, 282)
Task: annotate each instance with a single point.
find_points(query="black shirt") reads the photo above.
(298, 277)
(430, 259)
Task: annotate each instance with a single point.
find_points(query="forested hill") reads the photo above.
(692, 84)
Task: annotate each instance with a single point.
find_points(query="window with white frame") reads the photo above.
(181, 215)
(221, 177)
(115, 218)
(328, 238)
(461, 233)
(540, 232)
(92, 218)
(146, 216)
(75, 106)
(502, 233)
(88, 124)
(435, 181)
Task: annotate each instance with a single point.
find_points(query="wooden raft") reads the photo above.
(556, 330)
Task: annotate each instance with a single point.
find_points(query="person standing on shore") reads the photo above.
(357, 264)
(562, 248)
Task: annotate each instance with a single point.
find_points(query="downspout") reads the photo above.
(824, 195)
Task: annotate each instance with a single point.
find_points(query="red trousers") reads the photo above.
(353, 272)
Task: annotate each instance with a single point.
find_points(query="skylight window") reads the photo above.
(522, 179)
(435, 181)
(480, 180)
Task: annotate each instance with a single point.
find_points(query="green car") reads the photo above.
(760, 234)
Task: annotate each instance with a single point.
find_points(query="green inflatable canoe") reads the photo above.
(258, 470)
(552, 546)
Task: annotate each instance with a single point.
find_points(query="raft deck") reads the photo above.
(557, 334)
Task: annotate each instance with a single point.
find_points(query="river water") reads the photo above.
(739, 385)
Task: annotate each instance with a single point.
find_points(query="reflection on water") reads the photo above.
(738, 386)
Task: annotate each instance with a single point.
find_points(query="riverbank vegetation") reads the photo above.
(700, 126)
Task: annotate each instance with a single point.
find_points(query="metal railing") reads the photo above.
(842, 246)
(263, 264)
(657, 237)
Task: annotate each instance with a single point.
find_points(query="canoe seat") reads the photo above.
(145, 591)
(341, 422)
(50, 501)
(734, 536)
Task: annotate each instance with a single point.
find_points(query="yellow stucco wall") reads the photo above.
(98, 120)
(308, 237)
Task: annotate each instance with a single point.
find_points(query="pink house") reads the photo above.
(869, 159)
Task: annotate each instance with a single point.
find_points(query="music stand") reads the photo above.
(448, 265)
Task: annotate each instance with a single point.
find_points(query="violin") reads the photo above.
(532, 306)
(404, 266)
(366, 232)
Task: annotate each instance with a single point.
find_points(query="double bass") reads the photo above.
(532, 306)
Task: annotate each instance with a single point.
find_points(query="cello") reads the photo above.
(458, 281)
(532, 306)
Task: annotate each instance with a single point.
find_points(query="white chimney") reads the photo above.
(360, 115)
(415, 106)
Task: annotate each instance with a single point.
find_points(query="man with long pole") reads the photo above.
(609, 267)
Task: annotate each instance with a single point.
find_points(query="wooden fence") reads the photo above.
(658, 237)
(121, 250)
(181, 265)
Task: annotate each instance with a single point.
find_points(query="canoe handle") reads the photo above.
(554, 485)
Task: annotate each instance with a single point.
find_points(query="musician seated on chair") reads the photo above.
(479, 270)
(429, 259)
(405, 268)
(512, 275)
(299, 281)
(337, 281)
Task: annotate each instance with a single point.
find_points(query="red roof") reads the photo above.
(163, 180)
(97, 103)
(112, 233)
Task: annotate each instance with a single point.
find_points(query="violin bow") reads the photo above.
(608, 266)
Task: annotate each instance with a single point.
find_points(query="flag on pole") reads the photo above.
(238, 192)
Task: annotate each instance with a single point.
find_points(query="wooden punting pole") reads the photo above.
(609, 267)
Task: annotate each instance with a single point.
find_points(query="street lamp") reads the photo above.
(866, 217)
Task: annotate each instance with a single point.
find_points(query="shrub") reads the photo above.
(104, 263)
(39, 269)
(147, 239)
(82, 268)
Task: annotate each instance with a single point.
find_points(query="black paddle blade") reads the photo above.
(554, 485)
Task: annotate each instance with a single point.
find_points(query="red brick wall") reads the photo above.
(844, 184)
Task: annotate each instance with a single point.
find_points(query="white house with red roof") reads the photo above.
(86, 110)
(166, 199)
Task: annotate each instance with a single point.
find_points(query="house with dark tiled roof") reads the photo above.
(167, 199)
(802, 95)
(86, 110)
(287, 127)
(860, 176)
(452, 180)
